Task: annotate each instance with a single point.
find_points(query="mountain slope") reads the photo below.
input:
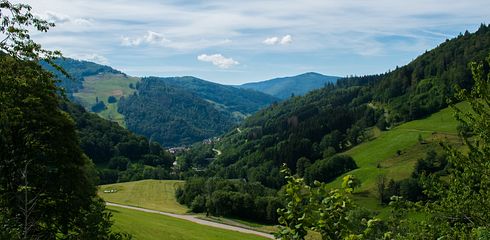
(287, 86)
(235, 100)
(200, 108)
(177, 111)
(332, 120)
(78, 70)
(119, 154)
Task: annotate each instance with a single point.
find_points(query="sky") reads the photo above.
(233, 42)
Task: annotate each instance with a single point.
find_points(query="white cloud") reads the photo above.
(59, 18)
(92, 57)
(285, 40)
(218, 60)
(271, 41)
(151, 38)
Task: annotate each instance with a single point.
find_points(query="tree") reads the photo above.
(462, 204)
(111, 99)
(47, 184)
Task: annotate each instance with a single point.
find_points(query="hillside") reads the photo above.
(330, 121)
(183, 110)
(180, 111)
(118, 154)
(78, 70)
(241, 102)
(297, 85)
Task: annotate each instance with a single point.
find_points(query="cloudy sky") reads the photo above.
(232, 42)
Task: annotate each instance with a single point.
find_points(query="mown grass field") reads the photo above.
(151, 226)
(380, 155)
(150, 194)
(103, 86)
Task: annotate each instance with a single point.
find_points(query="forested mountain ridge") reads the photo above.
(285, 87)
(189, 109)
(331, 120)
(176, 111)
(242, 101)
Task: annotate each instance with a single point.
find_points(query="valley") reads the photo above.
(189, 141)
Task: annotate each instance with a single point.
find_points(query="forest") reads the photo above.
(339, 116)
(309, 134)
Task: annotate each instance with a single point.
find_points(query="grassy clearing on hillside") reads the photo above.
(151, 194)
(151, 226)
(380, 156)
(103, 86)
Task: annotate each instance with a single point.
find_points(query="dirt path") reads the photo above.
(218, 152)
(196, 220)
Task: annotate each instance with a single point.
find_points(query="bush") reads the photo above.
(328, 169)
(111, 99)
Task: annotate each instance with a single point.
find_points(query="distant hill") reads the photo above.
(241, 101)
(172, 111)
(297, 85)
(183, 110)
(78, 70)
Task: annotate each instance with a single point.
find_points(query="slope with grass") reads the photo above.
(394, 153)
(102, 86)
(149, 194)
(150, 226)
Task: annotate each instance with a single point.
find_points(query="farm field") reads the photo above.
(151, 194)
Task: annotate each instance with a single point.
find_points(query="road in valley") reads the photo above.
(195, 219)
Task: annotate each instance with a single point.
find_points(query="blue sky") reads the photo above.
(233, 42)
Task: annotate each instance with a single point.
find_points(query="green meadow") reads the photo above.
(150, 194)
(103, 86)
(152, 226)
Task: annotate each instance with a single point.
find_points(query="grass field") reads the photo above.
(150, 194)
(151, 226)
(102, 86)
(380, 156)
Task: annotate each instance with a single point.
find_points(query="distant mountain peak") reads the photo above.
(284, 87)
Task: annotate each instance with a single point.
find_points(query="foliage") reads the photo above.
(120, 154)
(98, 107)
(230, 198)
(16, 20)
(330, 212)
(328, 169)
(47, 186)
(111, 99)
(461, 200)
(180, 111)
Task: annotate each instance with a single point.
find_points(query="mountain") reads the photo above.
(241, 101)
(297, 85)
(189, 109)
(312, 130)
(183, 110)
